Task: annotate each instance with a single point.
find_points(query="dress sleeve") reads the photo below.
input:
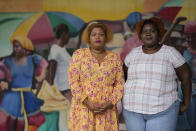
(176, 58)
(74, 76)
(40, 63)
(118, 84)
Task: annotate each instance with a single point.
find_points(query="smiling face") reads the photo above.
(97, 38)
(149, 35)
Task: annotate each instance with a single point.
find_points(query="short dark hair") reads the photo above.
(156, 22)
(60, 29)
(151, 22)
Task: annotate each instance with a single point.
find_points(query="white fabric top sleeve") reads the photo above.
(54, 51)
(130, 56)
(176, 58)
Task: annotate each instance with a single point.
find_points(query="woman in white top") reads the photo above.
(58, 75)
(150, 98)
(59, 61)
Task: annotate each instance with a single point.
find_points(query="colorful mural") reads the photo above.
(37, 20)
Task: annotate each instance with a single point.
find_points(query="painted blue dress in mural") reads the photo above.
(22, 76)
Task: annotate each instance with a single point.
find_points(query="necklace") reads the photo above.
(99, 55)
(152, 49)
(97, 52)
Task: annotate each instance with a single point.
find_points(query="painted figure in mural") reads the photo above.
(96, 81)
(58, 75)
(59, 61)
(20, 108)
(187, 120)
(4, 76)
(190, 36)
(150, 98)
(132, 41)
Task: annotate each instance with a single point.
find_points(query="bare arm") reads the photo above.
(51, 71)
(184, 75)
(125, 69)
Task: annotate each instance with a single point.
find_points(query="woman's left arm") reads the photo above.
(119, 83)
(184, 74)
(117, 90)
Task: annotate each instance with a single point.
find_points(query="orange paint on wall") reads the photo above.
(153, 5)
(21, 5)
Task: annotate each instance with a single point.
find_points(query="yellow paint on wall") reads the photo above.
(85, 9)
(95, 9)
(188, 10)
(20, 5)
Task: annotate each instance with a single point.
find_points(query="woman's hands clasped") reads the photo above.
(97, 108)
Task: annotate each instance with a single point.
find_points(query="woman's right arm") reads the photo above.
(52, 64)
(51, 71)
(74, 76)
(74, 82)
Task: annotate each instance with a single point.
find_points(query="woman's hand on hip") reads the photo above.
(183, 108)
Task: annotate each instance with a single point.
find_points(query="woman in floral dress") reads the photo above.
(96, 80)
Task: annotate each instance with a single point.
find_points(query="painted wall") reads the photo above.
(85, 9)
(14, 13)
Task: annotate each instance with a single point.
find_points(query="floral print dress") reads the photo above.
(100, 84)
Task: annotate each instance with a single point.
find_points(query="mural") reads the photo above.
(37, 20)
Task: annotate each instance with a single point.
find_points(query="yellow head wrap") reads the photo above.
(25, 42)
